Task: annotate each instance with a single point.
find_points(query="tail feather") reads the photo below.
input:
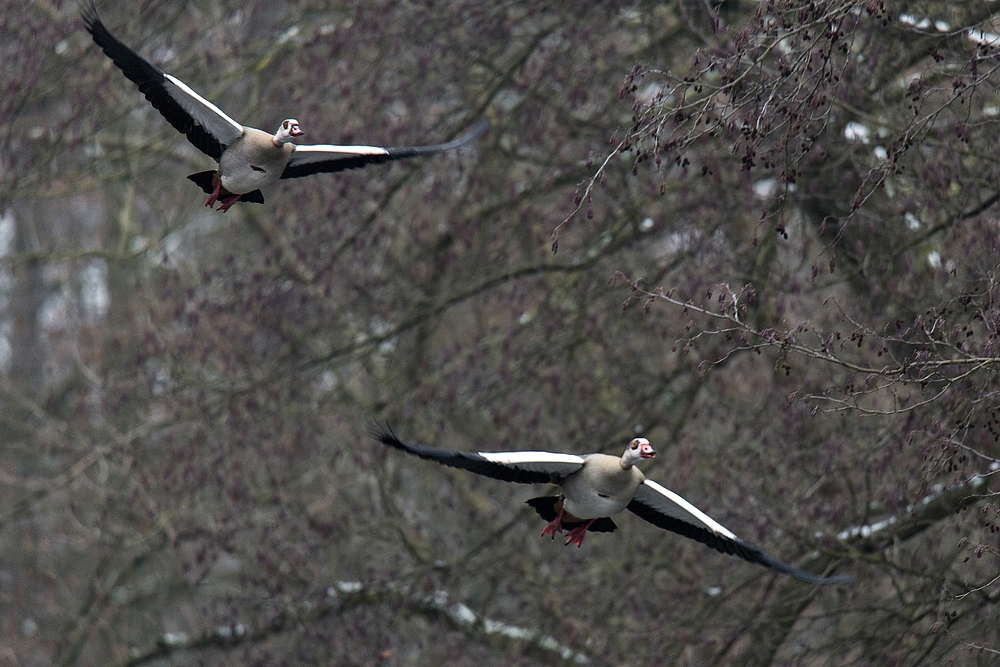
(545, 506)
(204, 180)
(255, 197)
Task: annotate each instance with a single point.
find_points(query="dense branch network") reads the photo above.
(771, 94)
(925, 353)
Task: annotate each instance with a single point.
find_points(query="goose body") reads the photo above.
(254, 161)
(595, 487)
(601, 487)
(249, 159)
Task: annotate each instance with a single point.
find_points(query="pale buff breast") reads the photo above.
(253, 161)
(600, 488)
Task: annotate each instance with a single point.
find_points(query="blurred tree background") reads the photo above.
(777, 259)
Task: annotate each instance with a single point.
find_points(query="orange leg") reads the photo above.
(577, 534)
(554, 526)
(212, 198)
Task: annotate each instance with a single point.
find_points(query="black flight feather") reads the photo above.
(150, 80)
(727, 545)
(347, 161)
(465, 460)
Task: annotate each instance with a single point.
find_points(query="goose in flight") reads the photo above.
(249, 159)
(596, 486)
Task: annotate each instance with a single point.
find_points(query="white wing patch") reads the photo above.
(667, 502)
(551, 462)
(209, 116)
(309, 153)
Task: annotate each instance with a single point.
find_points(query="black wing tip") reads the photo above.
(756, 554)
(819, 580)
(474, 132)
(95, 26)
(88, 12)
(839, 579)
(461, 141)
(383, 433)
(465, 138)
(472, 461)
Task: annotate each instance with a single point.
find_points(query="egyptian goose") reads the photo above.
(596, 486)
(249, 159)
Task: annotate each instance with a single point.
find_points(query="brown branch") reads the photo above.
(786, 342)
(344, 596)
(794, 597)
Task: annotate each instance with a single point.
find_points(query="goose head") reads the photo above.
(636, 451)
(289, 130)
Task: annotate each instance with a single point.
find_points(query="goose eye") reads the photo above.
(285, 125)
(635, 445)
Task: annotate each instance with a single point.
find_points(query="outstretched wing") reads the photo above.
(318, 158)
(206, 127)
(522, 467)
(663, 508)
